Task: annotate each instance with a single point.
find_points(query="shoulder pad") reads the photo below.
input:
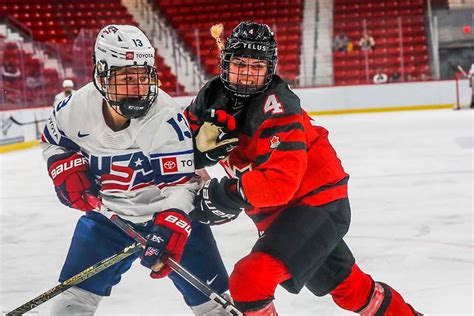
(211, 95)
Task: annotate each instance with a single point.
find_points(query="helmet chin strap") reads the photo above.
(130, 108)
(133, 107)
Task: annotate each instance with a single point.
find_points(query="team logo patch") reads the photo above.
(169, 165)
(274, 142)
(151, 252)
(181, 163)
(157, 239)
(129, 56)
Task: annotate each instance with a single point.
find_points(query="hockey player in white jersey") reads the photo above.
(125, 139)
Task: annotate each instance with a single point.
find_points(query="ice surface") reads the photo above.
(411, 192)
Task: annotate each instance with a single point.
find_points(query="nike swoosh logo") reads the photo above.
(81, 135)
(209, 282)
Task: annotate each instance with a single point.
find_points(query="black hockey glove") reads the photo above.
(219, 202)
(213, 139)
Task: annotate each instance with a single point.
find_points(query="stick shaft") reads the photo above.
(76, 279)
(179, 269)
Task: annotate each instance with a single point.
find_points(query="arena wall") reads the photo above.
(22, 128)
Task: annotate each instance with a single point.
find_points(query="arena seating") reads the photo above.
(382, 23)
(283, 16)
(59, 22)
(24, 77)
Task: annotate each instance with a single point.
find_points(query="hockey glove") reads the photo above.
(212, 139)
(222, 119)
(219, 202)
(71, 177)
(168, 235)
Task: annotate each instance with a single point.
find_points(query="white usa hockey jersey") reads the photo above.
(145, 168)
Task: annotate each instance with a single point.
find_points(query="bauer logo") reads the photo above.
(169, 165)
(129, 55)
(67, 166)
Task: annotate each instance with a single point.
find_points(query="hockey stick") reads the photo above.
(25, 123)
(76, 279)
(179, 269)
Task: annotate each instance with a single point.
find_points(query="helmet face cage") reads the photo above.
(235, 70)
(124, 71)
(241, 76)
(123, 88)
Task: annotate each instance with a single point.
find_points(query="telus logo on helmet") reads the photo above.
(263, 48)
(254, 41)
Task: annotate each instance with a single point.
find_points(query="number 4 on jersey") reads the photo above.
(272, 104)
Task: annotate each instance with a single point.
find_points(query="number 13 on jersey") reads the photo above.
(180, 125)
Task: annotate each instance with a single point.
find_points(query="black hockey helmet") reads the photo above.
(250, 40)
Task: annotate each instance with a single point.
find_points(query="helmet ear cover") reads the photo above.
(249, 40)
(125, 46)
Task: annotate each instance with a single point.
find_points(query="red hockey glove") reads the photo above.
(219, 202)
(70, 174)
(222, 119)
(213, 139)
(168, 235)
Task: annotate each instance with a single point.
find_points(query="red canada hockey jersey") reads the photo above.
(282, 158)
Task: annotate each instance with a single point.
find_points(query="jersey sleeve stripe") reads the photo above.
(171, 154)
(284, 119)
(47, 136)
(68, 144)
(285, 146)
(63, 140)
(289, 146)
(177, 182)
(270, 131)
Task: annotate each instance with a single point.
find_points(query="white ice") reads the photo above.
(411, 191)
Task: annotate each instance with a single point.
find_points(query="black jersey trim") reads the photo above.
(284, 146)
(259, 217)
(270, 131)
(288, 146)
(262, 159)
(344, 181)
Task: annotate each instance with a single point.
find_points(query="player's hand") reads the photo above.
(221, 119)
(213, 138)
(168, 235)
(219, 202)
(71, 177)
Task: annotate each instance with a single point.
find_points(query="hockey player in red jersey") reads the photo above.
(286, 176)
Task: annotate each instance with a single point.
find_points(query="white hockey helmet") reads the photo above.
(119, 46)
(68, 83)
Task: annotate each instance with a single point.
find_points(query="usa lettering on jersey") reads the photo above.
(126, 172)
